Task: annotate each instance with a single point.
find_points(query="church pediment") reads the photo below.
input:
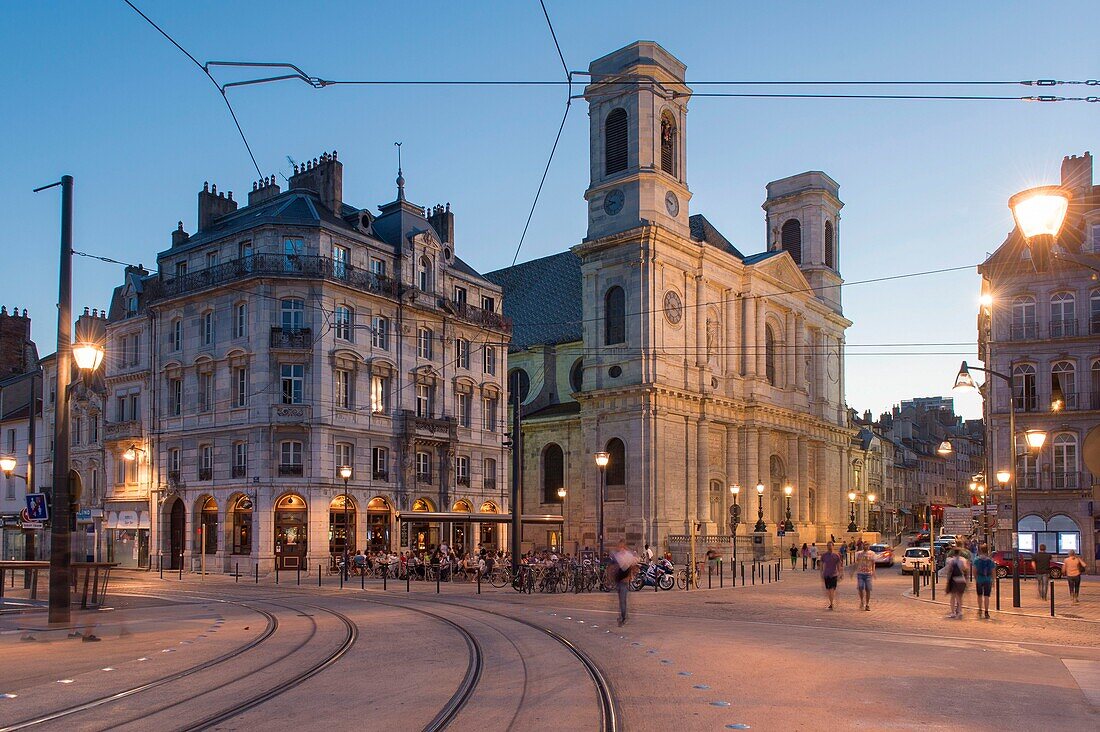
(781, 267)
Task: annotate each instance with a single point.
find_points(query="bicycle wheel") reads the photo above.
(499, 578)
(681, 578)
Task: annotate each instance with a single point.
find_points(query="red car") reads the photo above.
(1003, 560)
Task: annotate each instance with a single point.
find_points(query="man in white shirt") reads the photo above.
(623, 564)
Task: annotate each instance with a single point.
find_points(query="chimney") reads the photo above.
(15, 336)
(325, 177)
(443, 221)
(262, 190)
(867, 418)
(1077, 172)
(179, 236)
(213, 205)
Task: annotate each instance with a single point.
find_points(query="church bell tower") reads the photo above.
(637, 108)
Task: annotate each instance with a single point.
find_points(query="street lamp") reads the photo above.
(788, 525)
(345, 473)
(131, 453)
(760, 525)
(735, 519)
(7, 464)
(1039, 214)
(852, 512)
(871, 524)
(602, 459)
(1035, 440)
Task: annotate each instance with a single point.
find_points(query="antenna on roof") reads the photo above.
(293, 164)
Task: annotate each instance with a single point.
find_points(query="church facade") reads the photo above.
(694, 366)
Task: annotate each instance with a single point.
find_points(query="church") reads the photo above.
(695, 367)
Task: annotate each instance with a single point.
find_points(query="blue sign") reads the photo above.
(781, 532)
(37, 508)
(84, 514)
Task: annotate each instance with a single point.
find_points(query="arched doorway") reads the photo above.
(341, 526)
(241, 541)
(460, 530)
(291, 532)
(378, 525)
(423, 536)
(177, 519)
(488, 531)
(208, 526)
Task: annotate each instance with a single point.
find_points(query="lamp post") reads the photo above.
(735, 519)
(602, 459)
(788, 525)
(1035, 440)
(1039, 214)
(345, 473)
(562, 493)
(872, 525)
(1003, 476)
(852, 528)
(760, 525)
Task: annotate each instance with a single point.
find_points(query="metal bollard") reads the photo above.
(236, 572)
(299, 575)
(754, 573)
(721, 575)
(1052, 584)
(256, 569)
(769, 574)
(318, 575)
(385, 576)
(742, 574)
(407, 573)
(160, 566)
(341, 579)
(710, 577)
(363, 581)
(932, 580)
(916, 585)
(997, 582)
(181, 566)
(479, 581)
(276, 573)
(438, 574)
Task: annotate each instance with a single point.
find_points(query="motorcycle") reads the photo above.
(659, 573)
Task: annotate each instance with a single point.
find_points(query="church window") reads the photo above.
(615, 316)
(518, 383)
(769, 354)
(830, 245)
(668, 143)
(576, 375)
(615, 142)
(553, 473)
(791, 238)
(616, 464)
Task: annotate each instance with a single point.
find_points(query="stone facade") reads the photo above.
(697, 367)
(1041, 327)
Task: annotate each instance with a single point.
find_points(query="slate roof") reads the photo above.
(543, 299)
(702, 230)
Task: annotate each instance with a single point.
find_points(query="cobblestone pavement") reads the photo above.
(761, 657)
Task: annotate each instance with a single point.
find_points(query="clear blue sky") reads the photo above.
(93, 91)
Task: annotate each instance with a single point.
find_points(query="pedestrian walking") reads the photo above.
(957, 571)
(813, 555)
(984, 567)
(1074, 567)
(1042, 570)
(805, 555)
(844, 554)
(623, 564)
(830, 572)
(794, 556)
(864, 562)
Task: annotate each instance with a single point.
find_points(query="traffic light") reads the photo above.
(508, 440)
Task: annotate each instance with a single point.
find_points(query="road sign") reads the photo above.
(37, 508)
(957, 521)
(781, 532)
(84, 515)
(981, 511)
(33, 525)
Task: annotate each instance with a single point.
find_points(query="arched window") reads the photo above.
(615, 142)
(1063, 315)
(1064, 374)
(791, 239)
(616, 464)
(518, 383)
(615, 316)
(1023, 387)
(343, 323)
(424, 280)
(1094, 311)
(553, 473)
(1064, 450)
(1023, 318)
(292, 314)
(668, 143)
(830, 245)
(576, 375)
(1094, 390)
(769, 354)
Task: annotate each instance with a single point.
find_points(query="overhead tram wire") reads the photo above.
(214, 81)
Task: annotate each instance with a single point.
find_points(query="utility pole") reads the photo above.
(515, 535)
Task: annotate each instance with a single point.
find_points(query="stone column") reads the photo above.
(804, 480)
(799, 353)
(702, 487)
(752, 466)
(731, 340)
(700, 321)
(748, 328)
(790, 379)
(793, 478)
(761, 339)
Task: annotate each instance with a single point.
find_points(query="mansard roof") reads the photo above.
(544, 300)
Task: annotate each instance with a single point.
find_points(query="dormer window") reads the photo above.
(424, 274)
(181, 268)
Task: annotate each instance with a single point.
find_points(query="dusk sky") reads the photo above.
(93, 91)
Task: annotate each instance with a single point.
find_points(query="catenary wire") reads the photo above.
(205, 71)
(554, 35)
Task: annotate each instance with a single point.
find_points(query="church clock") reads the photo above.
(674, 308)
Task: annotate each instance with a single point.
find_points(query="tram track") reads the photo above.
(269, 631)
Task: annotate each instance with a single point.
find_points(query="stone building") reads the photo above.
(20, 388)
(290, 338)
(1042, 328)
(658, 341)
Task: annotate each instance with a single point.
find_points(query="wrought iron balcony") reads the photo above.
(490, 484)
(1064, 328)
(1063, 479)
(298, 339)
(479, 316)
(293, 469)
(239, 471)
(463, 480)
(273, 265)
(206, 473)
(381, 475)
(129, 430)
(1024, 331)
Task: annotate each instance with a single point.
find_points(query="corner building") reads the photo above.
(290, 338)
(658, 341)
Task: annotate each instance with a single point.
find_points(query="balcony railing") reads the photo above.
(425, 478)
(1094, 325)
(1065, 480)
(273, 265)
(490, 484)
(239, 471)
(381, 475)
(479, 316)
(463, 480)
(206, 473)
(1027, 402)
(1064, 328)
(292, 469)
(122, 430)
(299, 338)
(1024, 332)
(173, 477)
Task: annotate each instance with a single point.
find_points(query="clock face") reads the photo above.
(674, 308)
(613, 202)
(672, 203)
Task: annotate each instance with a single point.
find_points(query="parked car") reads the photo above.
(948, 537)
(919, 538)
(884, 555)
(1003, 560)
(915, 558)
